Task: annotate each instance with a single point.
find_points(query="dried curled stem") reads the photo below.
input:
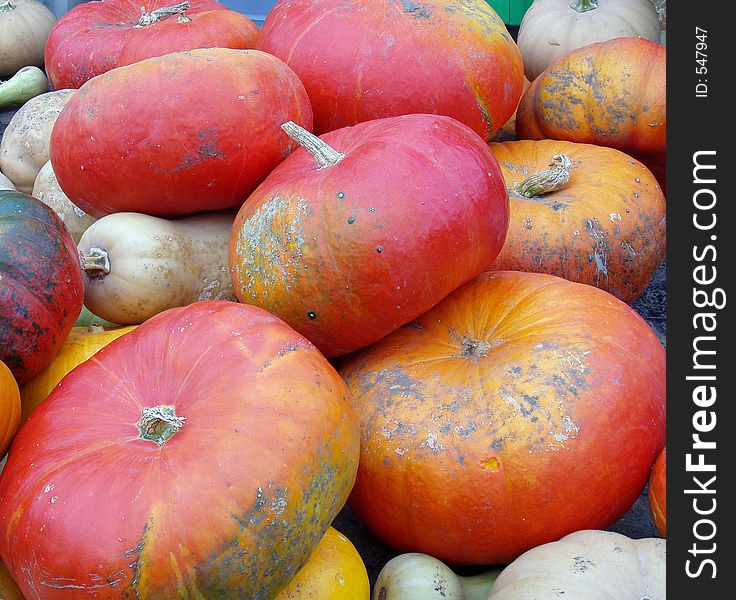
(548, 181)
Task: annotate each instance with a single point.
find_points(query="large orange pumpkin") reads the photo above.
(9, 407)
(586, 213)
(519, 409)
(94, 37)
(383, 220)
(370, 59)
(203, 454)
(610, 93)
(177, 134)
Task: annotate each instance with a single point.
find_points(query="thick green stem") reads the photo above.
(27, 83)
(96, 263)
(582, 6)
(548, 181)
(159, 423)
(325, 155)
(7, 6)
(478, 587)
(162, 13)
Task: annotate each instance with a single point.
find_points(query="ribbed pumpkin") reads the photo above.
(94, 37)
(9, 408)
(203, 454)
(519, 409)
(154, 138)
(370, 59)
(586, 213)
(79, 345)
(41, 289)
(610, 93)
(658, 493)
(375, 226)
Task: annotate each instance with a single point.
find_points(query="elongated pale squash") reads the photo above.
(137, 265)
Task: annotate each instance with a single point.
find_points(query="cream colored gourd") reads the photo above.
(24, 148)
(586, 565)
(417, 576)
(46, 189)
(5, 183)
(27, 83)
(137, 265)
(552, 28)
(24, 28)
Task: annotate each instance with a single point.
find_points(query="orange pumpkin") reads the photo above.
(609, 93)
(520, 408)
(9, 407)
(598, 218)
(80, 344)
(658, 493)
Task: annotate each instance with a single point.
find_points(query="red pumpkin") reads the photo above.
(610, 93)
(94, 37)
(41, 289)
(177, 134)
(586, 213)
(385, 219)
(370, 59)
(519, 409)
(658, 493)
(203, 454)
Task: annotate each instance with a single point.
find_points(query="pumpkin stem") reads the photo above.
(478, 587)
(96, 263)
(548, 181)
(581, 6)
(325, 155)
(7, 6)
(159, 423)
(94, 328)
(161, 13)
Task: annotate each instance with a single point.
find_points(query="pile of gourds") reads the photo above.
(249, 276)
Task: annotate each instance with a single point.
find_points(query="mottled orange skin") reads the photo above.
(610, 93)
(230, 506)
(94, 37)
(519, 409)
(9, 408)
(178, 134)
(369, 59)
(347, 253)
(606, 227)
(658, 493)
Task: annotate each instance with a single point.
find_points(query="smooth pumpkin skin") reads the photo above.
(610, 93)
(8, 589)
(370, 59)
(520, 408)
(9, 409)
(94, 37)
(658, 493)
(347, 253)
(79, 345)
(606, 227)
(587, 564)
(552, 28)
(230, 506)
(334, 571)
(153, 138)
(41, 289)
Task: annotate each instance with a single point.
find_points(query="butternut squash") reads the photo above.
(137, 265)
